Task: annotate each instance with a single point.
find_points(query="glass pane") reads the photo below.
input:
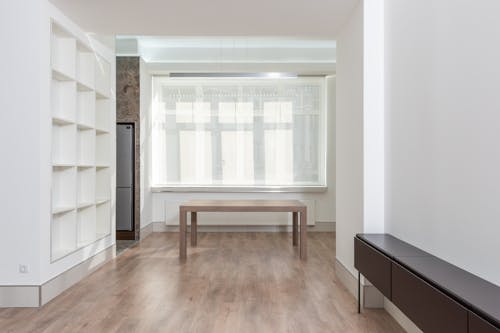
(241, 113)
(279, 157)
(201, 112)
(195, 156)
(237, 157)
(184, 112)
(278, 112)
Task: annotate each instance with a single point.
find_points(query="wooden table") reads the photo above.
(195, 206)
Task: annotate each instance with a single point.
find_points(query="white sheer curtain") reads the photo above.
(238, 132)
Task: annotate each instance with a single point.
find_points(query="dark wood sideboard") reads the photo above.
(436, 295)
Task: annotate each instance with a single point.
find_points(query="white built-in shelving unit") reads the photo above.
(81, 105)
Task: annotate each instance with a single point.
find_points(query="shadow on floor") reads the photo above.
(123, 244)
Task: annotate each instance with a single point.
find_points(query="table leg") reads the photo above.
(182, 234)
(303, 234)
(295, 232)
(194, 229)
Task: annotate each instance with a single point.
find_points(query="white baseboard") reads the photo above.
(147, 230)
(63, 281)
(318, 227)
(36, 296)
(370, 296)
(19, 296)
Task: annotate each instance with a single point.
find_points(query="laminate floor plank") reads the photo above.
(231, 282)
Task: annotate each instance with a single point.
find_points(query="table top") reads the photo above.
(243, 206)
(391, 246)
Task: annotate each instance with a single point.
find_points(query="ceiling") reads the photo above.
(283, 18)
(231, 54)
(227, 49)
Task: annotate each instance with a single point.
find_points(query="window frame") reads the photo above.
(223, 188)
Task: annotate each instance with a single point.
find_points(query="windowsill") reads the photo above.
(241, 189)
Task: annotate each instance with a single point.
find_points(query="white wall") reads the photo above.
(349, 137)
(360, 128)
(20, 97)
(443, 129)
(373, 117)
(165, 204)
(145, 110)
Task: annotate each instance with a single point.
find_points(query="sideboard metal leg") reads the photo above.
(359, 292)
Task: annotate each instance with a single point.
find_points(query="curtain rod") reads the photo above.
(271, 75)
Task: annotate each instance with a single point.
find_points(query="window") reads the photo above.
(238, 132)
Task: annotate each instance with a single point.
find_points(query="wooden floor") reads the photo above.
(232, 282)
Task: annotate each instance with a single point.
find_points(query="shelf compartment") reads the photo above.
(59, 76)
(103, 114)
(84, 166)
(82, 87)
(86, 226)
(63, 52)
(62, 165)
(63, 100)
(86, 108)
(63, 144)
(63, 188)
(83, 127)
(63, 231)
(103, 220)
(100, 131)
(103, 149)
(103, 184)
(60, 121)
(86, 147)
(60, 210)
(101, 201)
(85, 73)
(85, 205)
(86, 187)
(102, 77)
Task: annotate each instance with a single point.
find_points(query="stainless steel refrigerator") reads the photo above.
(125, 177)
